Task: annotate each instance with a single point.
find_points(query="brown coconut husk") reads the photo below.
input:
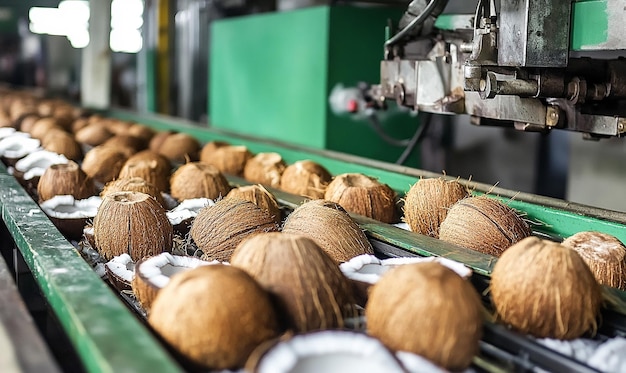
(62, 142)
(132, 223)
(117, 127)
(328, 224)
(180, 148)
(483, 224)
(43, 126)
(198, 180)
(133, 184)
(103, 163)
(218, 229)
(79, 123)
(61, 179)
(93, 134)
(310, 291)
(305, 178)
(429, 310)
(265, 168)
(19, 109)
(152, 171)
(27, 122)
(604, 254)
(230, 159)
(209, 148)
(157, 140)
(427, 203)
(237, 316)
(127, 144)
(260, 196)
(363, 195)
(545, 289)
(142, 131)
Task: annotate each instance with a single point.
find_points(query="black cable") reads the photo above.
(418, 136)
(415, 22)
(375, 125)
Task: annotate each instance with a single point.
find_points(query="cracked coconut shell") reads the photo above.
(65, 179)
(265, 168)
(258, 195)
(363, 195)
(132, 223)
(214, 316)
(305, 178)
(310, 291)
(429, 310)
(427, 203)
(330, 226)
(545, 289)
(483, 224)
(604, 254)
(198, 180)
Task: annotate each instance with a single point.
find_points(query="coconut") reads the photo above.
(182, 215)
(545, 289)
(329, 351)
(235, 316)
(43, 126)
(116, 126)
(133, 223)
(142, 131)
(16, 147)
(154, 273)
(604, 254)
(5, 120)
(70, 215)
(93, 134)
(133, 184)
(427, 203)
(229, 159)
(363, 195)
(260, 197)
(29, 169)
(69, 179)
(129, 145)
(157, 140)
(180, 147)
(330, 227)
(78, 124)
(62, 142)
(217, 230)
(265, 168)
(103, 163)
(198, 180)
(27, 122)
(120, 271)
(483, 224)
(310, 291)
(305, 178)
(151, 171)
(209, 148)
(415, 308)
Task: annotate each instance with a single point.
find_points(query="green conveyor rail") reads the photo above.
(105, 334)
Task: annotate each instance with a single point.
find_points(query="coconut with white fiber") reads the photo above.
(310, 291)
(604, 254)
(120, 271)
(545, 289)
(427, 203)
(154, 273)
(265, 168)
(198, 180)
(133, 223)
(363, 195)
(231, 315)
(330, 226)
(70, 215)
(305, 178)
(182, 215)
(229, 159)
(68, 178)
(16, 147)
(260, 196)
(103, 163)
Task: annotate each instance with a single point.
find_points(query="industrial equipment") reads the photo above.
(533, 65)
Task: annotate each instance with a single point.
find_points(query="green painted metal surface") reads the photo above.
(272, 74)
(590, 24)
(107, 337)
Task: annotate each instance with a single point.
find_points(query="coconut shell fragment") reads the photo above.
(65, 179)
(545, 289)
(429, 310)
(132, 223)
(265, 168)
(310, 290)
(604, 254)
(427, 203)
(214, 316)
(260, 196)
(363, 195)
(218, 229)
(198, 180)
(305, 178)
(330, 226)
(483, 224)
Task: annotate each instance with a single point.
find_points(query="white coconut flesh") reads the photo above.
(403, 225)
(188, 209)
(123, 267)
(18, 146)
(368, 268)
(158, 269)
(329, 351)
(36, 163)
(7, 131)
(605, 356)
(66, 207)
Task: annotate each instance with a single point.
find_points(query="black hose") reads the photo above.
(415, 22)
(375, 125)
(418, 136)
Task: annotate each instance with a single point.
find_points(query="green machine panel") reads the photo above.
(272, 74)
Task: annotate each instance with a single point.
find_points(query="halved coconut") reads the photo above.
(120, 270)
(63, 143)
(198, 180)
(29, 169)
(324, 351)
(154, 273)
(229, 159)
(182, 215)
(70, 215)
(151, 171)
(68, 178)
(133, 184)
(17, 146)
(306, 178)
(260, 196)
(265, 168)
